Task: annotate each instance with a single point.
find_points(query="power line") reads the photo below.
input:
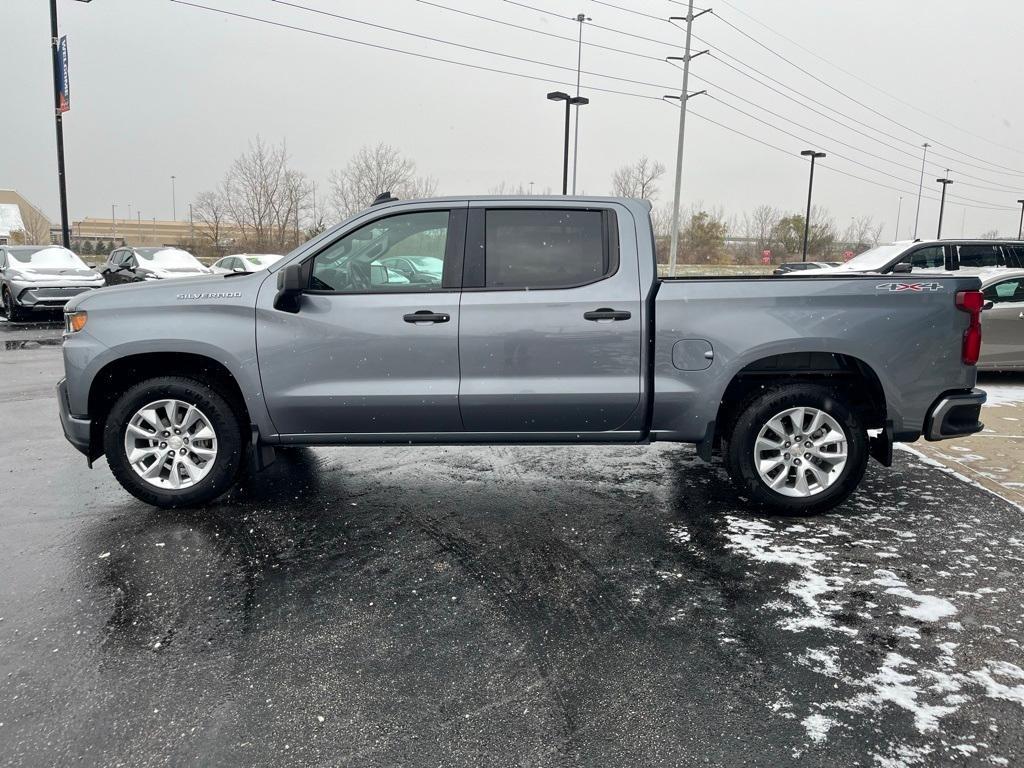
(495, 70)
(545, 33)
(401, 51)
(871, 85)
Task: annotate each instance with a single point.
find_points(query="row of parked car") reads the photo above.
(45, 277)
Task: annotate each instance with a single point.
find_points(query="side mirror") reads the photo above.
(988, 305)
(291, 282)
(903, 268)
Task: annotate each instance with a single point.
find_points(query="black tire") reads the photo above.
(223, 418)
(757, 412)
(12, 311)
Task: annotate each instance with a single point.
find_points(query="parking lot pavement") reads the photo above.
(497, 606)
(994, 457)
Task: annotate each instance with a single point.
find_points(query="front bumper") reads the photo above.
(77, 431)
(41, 297)
(955, 414)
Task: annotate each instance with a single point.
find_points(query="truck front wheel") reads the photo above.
(173, 442)
(797, 449)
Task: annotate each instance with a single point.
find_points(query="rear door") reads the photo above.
(551, 323)
(1003, 325)
(368, 353)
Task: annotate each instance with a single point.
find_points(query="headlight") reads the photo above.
(75, 321)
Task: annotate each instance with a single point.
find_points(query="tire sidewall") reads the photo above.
(225, 423)
(757, 414)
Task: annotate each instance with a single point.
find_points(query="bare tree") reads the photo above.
(211, 211)
(36, 227)
(991, 234)
(863, 233)
(374, 170)
(638, 180)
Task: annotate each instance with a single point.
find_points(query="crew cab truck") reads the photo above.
(549, 324)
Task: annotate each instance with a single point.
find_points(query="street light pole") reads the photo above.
(810, 188)
(1020, 230)
(920, 187)
(113, 222)
(945, 182)
(579, 62)
(570, 101)
(174, 202)
(899, 210)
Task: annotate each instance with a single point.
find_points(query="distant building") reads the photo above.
(112, 233)
(20, 221)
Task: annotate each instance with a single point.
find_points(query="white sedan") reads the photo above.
(244, 262)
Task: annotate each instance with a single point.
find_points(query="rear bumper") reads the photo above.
(76, 430)
(955, 414)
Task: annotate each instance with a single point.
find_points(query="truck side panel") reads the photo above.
(910, 338)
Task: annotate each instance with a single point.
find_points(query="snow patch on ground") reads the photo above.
(1003, 394)
(928, 608)
(817, 727)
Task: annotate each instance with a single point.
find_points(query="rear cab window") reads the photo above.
(545, 248)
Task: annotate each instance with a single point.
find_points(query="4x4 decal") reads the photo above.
(911, 287)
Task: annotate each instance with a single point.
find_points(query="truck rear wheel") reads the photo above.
(173, 442)
(797, 449)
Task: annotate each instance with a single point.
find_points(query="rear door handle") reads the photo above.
(604, 313)
(424, 316)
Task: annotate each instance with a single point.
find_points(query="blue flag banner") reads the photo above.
(64, 103)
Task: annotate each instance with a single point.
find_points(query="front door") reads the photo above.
(368, 352)
(1002, 326)
(551, 323)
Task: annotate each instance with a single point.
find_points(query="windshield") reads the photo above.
(170, 258)
(48, 257)
(876, 258)
(430, 264)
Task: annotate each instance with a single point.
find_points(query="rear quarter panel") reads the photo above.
(911, 339)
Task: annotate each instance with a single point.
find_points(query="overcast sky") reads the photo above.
(160, 88)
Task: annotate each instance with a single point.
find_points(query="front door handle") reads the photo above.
(607, 314)
(425, 316)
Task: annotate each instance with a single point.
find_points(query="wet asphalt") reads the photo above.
(495, 606)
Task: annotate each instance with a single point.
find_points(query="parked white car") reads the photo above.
(244, 262)
(932, 257)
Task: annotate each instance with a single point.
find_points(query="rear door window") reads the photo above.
(972, 256)
(545, 248)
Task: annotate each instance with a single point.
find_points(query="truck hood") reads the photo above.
(156, 292)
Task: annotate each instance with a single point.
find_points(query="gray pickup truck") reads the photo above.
(526, 320)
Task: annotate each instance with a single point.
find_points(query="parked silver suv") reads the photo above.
(41, 277)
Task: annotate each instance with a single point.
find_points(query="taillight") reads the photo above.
(971, 302)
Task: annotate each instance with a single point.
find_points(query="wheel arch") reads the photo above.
(116, 376)
(846, 373)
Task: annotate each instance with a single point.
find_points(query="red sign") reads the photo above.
(847, 255)
(766, 256)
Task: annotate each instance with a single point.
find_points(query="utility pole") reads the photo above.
(113, 221)
(810, 188)
(581, 17)
(174, 203)
(945, 182)
(899, 210)
(684, 97)
(920, 186)
(1020, 229)
(192, 230)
